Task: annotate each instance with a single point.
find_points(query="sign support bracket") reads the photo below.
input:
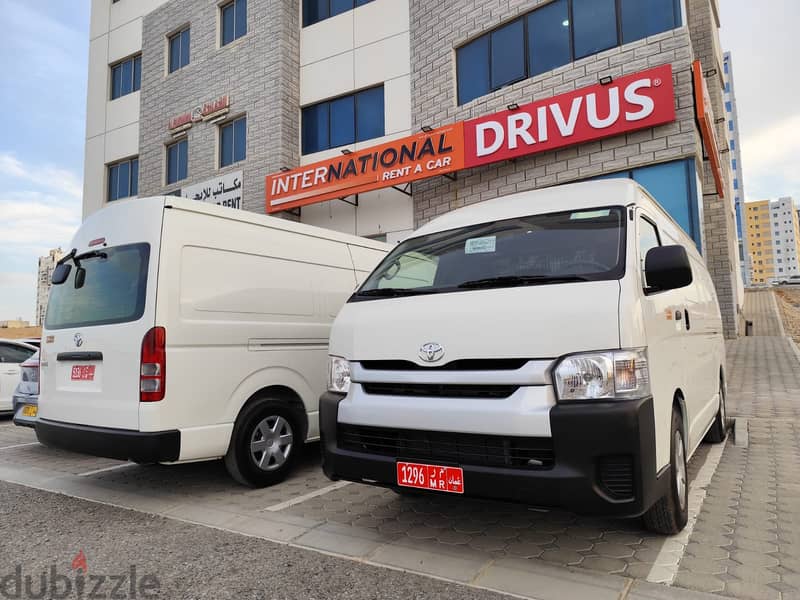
(348, 201)
(406, 189)
(451, 176)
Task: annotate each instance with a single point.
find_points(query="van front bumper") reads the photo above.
(604, 461)
(119, 444)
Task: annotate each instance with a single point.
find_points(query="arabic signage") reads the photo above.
(629, 103)
(207, 111)
(705, 120)
(225, 190)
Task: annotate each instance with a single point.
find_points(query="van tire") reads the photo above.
(719, 430)
(277, 419)
(669, 515)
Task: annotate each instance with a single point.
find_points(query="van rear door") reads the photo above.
(92, 339)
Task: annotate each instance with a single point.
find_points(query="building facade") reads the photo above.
(229, 93)
(732, 136)
(46, 266)
(773, 234)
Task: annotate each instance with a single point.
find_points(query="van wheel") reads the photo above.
(264, 444)
(670, 513)
(719, 430)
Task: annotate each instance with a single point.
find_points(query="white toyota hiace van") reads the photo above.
(560, 347)
(181, 331)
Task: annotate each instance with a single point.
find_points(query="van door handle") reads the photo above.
(84, 356)
(686, 319)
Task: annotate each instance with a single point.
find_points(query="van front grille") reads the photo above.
(469, 364)
(616, 476)
(448, 448)
(439, 390)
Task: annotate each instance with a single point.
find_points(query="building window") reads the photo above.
(315, 11)
(554, 35)
(233, 142)
(733, 145)
(233, 20)
(179, 50)
(126, 76)
(728, 106)
(123, 179)
(343, 121)
(733, 165)
(735, 184)
(177, 161)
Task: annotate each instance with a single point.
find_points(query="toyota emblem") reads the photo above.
(78, 340)
(431, 352)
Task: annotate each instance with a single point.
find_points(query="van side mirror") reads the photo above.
(80, 277)
(60, 273)
(667, 268)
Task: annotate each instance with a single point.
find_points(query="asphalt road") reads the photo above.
(41, 529)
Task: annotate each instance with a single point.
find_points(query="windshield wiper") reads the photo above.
(514, 280)
(392, 292)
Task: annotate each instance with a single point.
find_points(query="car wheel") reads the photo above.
(719, 430)
(265, 443)
(669, 515)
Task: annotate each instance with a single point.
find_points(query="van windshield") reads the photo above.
(113, 292)
(563, 247)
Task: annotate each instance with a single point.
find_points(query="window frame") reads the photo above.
(133, 58)
(231, 123)
(304, 24)
(677, 11)
(177, 34)
(221, 20)
(644, 217)
(327, 104)
(176, 144)
(116, 164)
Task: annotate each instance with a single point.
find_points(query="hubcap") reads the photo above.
(680, 469)
(271, 443)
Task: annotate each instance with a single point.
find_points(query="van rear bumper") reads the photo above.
(120, 444)
(604, 461)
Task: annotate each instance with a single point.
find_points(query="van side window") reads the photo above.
(648, 238)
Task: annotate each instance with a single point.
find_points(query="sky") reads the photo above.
(43, 65)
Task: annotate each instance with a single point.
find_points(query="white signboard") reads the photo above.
(225, 190)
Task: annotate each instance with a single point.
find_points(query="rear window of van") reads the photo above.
(114, 290)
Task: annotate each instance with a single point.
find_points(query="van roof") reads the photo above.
(245, 216)
(609, 192)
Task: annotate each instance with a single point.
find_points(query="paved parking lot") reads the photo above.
(742, 540)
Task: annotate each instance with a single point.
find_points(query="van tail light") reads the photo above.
(153, 371)
(30, 376)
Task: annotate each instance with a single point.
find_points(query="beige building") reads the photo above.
(46, 266)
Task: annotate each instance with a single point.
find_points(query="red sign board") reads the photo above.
(705, 119)
(200, 113)
(626, 104)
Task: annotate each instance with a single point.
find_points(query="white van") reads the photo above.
(560, 347)
(183, 331)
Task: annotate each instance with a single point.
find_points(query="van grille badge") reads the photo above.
(431, 352)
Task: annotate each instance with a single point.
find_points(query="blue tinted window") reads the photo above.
(318, 10)
(316, 128)
(123, 179)
(177, 161)
(179, 50)
(730, 125)
(370, 114)
(733, 144)
(727, 87)
(725, 66)
(548, 37)
(233, 142)
(234, 21)
(594, 26)
(344, 120)
(642, 18)
(126, 77)
(669, 184)
(473, 70)
(736, 184)
(733, 164)
(508, 54)
(728, 106)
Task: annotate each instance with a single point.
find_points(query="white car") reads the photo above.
(181, 331)
(560, 347)
(12, 354)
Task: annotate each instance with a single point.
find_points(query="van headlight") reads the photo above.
(618, 375)
(338, 375)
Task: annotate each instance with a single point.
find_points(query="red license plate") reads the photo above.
(82, 373)
(430, 477)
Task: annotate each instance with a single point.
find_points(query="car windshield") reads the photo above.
(113, 292)
(572, 246)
